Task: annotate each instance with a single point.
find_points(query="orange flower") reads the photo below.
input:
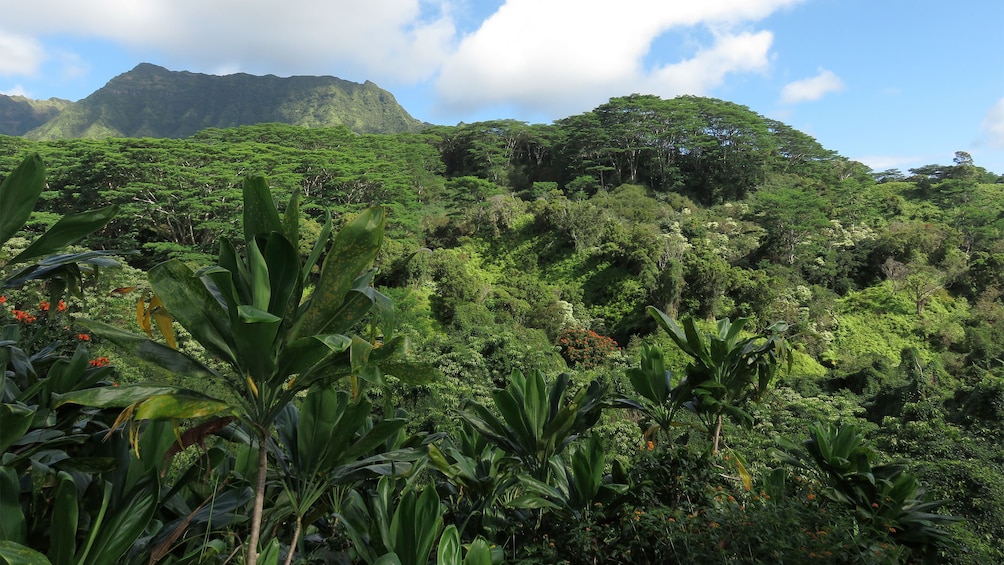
(23, 316)
(84, 337)
(811, 496)
(43, 305)
(100, 362)
(61, 306)
(3, 299)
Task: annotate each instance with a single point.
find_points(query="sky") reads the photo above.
(890, 83)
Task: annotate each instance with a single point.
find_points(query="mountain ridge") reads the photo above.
(20, 114)
(152, 101)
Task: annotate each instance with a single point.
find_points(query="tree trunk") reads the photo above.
(259, 499)
(716, 435)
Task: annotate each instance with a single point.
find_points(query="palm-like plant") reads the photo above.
(18, 194)
(251, 312)
(725, 372)
(884, 496)
(537, 422)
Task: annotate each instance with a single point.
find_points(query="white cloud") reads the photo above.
(16, 90)
(746, 52)
(398, 40)
(563, 56)
(812, 88)
(993, 125)
(19, 55)
(541, 56)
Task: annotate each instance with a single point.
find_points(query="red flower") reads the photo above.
(23, 316)
(43, 306)
(100, 362)
(3, 299)
(61, 306)
(83, 337)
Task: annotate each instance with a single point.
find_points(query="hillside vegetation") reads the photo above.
(19, 115)
(642, 237)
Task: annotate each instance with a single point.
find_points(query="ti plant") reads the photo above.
(884, 497)
(62, 491)
(274, 340)
(537, 422)
(725, 372)
(578, 486)
(18, 194)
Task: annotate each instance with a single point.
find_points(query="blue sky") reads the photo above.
(891, 83)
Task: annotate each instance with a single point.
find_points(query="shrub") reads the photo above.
(584, 348)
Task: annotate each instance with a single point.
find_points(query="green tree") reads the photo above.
(250, 312)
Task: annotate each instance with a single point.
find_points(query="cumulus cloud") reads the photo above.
(16, 90)
(812, 88)
(567, 55)
(19, 55)
(993, 125)
(745, 52)
(401, 40)
(545, 56)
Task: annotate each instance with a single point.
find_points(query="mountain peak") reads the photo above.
(152, 101)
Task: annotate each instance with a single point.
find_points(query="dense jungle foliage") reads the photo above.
(663, 331)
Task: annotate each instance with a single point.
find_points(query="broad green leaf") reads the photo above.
(126, 524)
(449, 547)
(291, 218)
(180, 405)
(535, 403)
(479, 553)
(238, 290)
(352, 252)
(320, 416)
(260, 214)
(63, 267)
(415, 526)
(300, 355)
(376, 436)
(18, 194)
(63, 536)
(283, 260)
(15, 419)
(192, 305)
(270, 555)
(67, 231)
(388, 559)
(16, 554)
(261, 287)
(149, 350)
(356, 305)
(12, 523)
(119, 397)
(587, 468)
(254, 315)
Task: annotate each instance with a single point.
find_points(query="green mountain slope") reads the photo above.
(19, 115)
(150, 101)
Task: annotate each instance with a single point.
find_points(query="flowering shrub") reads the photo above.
(585, 348)
(43, 327)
